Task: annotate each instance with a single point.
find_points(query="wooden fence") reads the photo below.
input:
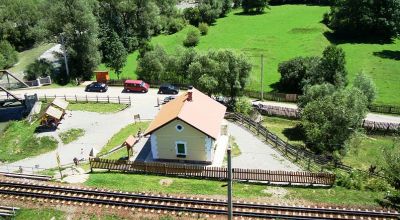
(387, 109)
(284, 147)
(97, 99)
(219, 173)
(385, 127)
(278, 111)
(272, 96)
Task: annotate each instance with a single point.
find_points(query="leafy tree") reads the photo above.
(208, 84)
(294, 71)
(40, 68)
(210, 10)
(75, 21)
(392, 172)
(203, 28)
(331, 68)
(254, 6)
(330, 120)
(243, 105)
(237, 3)
(366, 85)
(362, 18)
(114, 53)
(192, 15)
(192, 38)
(19, 22)
(226, 7)
(8, 55)
(315, 92)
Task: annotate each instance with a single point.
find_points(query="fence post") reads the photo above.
(76, 99)
(65, 97)
(97, 99)
(119, 101)
(45, 97)
(87, 101)
(108, 99)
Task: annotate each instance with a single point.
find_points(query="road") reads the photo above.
(375, 117)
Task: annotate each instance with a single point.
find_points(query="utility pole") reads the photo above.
(262, 77)
(230, 206)
(64, 54)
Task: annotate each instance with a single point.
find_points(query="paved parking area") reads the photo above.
(256, 154)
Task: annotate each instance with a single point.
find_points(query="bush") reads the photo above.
(192, 38)
(361, 181)
(40, 68)
(203, 28)
(8, 55)
(366, 86)
(243, 106)
(174, 25)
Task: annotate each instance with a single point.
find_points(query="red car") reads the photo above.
(136, 86)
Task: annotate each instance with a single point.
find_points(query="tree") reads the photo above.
(75, 22)
(226, 7)
(39, 68)
(315, 92)
(294, 71)
(392, 172)
(331, 68)
(208, 84)
(237, 3)
(363, 18)
(366, 85)
(330, 120)
(209, 10)
(114, 53)
(254, 6)
(192, 38)
(243, 106)
(8, 55)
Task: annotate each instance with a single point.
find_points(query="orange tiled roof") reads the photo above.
(203, 113)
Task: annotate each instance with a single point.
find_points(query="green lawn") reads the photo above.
(120, 137)
(19, 141)
(156, 184)
(71, 135)
(282, 33)
(364, 151)
(40, 214)
(96, 107)
(29, 56)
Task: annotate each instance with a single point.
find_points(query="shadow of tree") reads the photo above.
(342, 39)
(253, 13)
(388, 54)
(295, 134)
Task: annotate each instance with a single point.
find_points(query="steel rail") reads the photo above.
(121, 195)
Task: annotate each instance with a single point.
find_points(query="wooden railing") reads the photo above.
(219, 173)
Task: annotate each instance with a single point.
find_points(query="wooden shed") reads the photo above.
(60, 104)
(102, 76)
(52, 117)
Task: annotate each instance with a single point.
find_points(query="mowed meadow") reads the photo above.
(282, 33)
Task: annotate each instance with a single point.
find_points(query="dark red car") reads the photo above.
(136, 86)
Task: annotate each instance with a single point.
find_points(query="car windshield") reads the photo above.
(142, 84)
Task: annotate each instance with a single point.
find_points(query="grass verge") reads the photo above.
(40, 214)
(97, 107)
(71, 135)
(157, 184)
(19, 141)
(120, 137)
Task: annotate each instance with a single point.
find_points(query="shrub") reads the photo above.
(203, 28)
(243, 105)
(192, 38)
(366, 86)
(174, 25)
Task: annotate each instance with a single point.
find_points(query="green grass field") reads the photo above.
(97, 107)
(71, 135)
(282, 33)
(166, 185)
(29, 56)
(19, 141)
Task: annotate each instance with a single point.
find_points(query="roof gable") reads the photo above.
(203, 113)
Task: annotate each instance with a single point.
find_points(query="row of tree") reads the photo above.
(215, 72)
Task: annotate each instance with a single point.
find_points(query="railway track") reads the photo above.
(52, 193)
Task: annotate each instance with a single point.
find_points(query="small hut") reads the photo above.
(52, 117)
(129, 143)
(61, 104)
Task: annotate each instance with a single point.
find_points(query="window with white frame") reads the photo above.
(179, 127)
(180, 148)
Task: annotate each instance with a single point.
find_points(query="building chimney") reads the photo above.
(189, 95)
